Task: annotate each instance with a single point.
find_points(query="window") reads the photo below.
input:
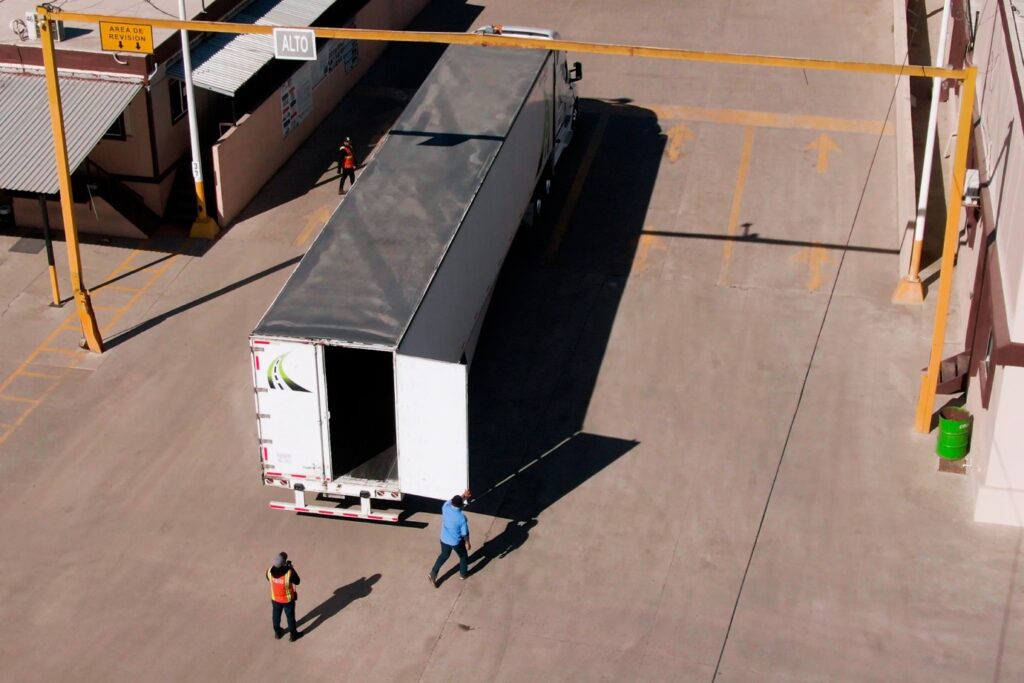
(179, 102)
(117, 130)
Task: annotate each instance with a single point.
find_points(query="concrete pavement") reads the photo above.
(691, 421)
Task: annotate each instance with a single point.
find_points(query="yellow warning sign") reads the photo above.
(117, 36)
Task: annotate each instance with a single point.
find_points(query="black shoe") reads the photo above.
(295, 636)
(433, 579)
(278, 633)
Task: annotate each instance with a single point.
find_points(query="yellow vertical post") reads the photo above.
(86, 315)
(930, 380)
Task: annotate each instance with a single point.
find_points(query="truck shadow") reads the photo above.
(550, 320)
(342, 598)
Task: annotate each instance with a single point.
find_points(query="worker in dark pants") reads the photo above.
(346, 165)
(454, 536)
(283, 579)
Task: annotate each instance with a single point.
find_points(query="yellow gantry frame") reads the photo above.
(83, 303)
(929, 382)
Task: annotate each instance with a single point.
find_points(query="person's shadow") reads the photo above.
(514, 535)
(342, 597)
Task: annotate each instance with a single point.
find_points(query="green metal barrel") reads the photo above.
(954, 433)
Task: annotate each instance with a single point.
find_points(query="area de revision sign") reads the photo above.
(119, 36)
(294, 43)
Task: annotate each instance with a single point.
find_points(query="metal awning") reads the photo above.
(223, 62)
(26, 138)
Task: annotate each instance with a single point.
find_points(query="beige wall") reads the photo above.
(997, 443)
(998, 453)
(172, 140)
(238, 174)
(1002, 137)
(130, 156)
(96, 218)
(134, 155)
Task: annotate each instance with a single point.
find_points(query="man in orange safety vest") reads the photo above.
(283, 579)
(347, 164)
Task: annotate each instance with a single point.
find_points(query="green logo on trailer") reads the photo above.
(277, 378)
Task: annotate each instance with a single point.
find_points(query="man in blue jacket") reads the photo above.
(454, 536)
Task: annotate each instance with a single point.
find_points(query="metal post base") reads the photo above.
(910, 292)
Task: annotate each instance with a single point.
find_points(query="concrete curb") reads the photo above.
(906, 180)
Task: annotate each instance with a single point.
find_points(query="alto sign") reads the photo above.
(294, 43)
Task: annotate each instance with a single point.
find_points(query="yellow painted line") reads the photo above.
(645, 245)
(823, 144)
(115, 288)
(815, 256)
(44, 347)
(18, 399)
(154, 276)
(760, 119)
(66, 352)
(577, 188)
(33, 373)
(314, 221)
(108, 309)
(737, 203)
(677, 135)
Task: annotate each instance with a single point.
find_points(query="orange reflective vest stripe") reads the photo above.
(281, 589)
(348, 159)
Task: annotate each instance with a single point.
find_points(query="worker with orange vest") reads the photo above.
(283, 579)
(347, 164)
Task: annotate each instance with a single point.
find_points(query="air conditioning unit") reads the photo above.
(972, 187)
(32, 27)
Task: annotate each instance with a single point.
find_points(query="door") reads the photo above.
(433, 440)
(290, 409)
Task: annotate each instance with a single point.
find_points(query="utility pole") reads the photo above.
(204, 226)
(83, 303)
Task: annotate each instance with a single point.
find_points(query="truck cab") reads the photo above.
(566, 107)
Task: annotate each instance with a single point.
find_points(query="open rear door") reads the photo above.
(290, 408)
(433, 440)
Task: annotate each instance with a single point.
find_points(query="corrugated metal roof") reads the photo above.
(26, 139)
(223, 62)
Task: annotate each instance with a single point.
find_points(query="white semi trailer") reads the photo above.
(361, 363)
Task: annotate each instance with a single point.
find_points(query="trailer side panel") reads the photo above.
(455, 301)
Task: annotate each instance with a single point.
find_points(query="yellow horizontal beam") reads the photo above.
(527, 44)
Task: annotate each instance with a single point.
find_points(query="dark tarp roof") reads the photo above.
(366, 274)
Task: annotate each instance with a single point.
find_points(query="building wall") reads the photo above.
(130, 156)
(997, 445)
(1002, 138)
(238, 174)
(96, 217)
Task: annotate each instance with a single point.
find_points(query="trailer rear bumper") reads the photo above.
(364, 512)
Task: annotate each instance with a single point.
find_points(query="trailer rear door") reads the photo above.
(288, 380)
(433, 441)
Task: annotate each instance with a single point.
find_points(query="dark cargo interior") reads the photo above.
(361, 401)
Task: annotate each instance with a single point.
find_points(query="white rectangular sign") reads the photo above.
(294, 43)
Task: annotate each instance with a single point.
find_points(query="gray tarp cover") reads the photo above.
(366, 274)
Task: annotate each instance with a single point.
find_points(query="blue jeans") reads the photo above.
(446, 551)
(289, 613)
